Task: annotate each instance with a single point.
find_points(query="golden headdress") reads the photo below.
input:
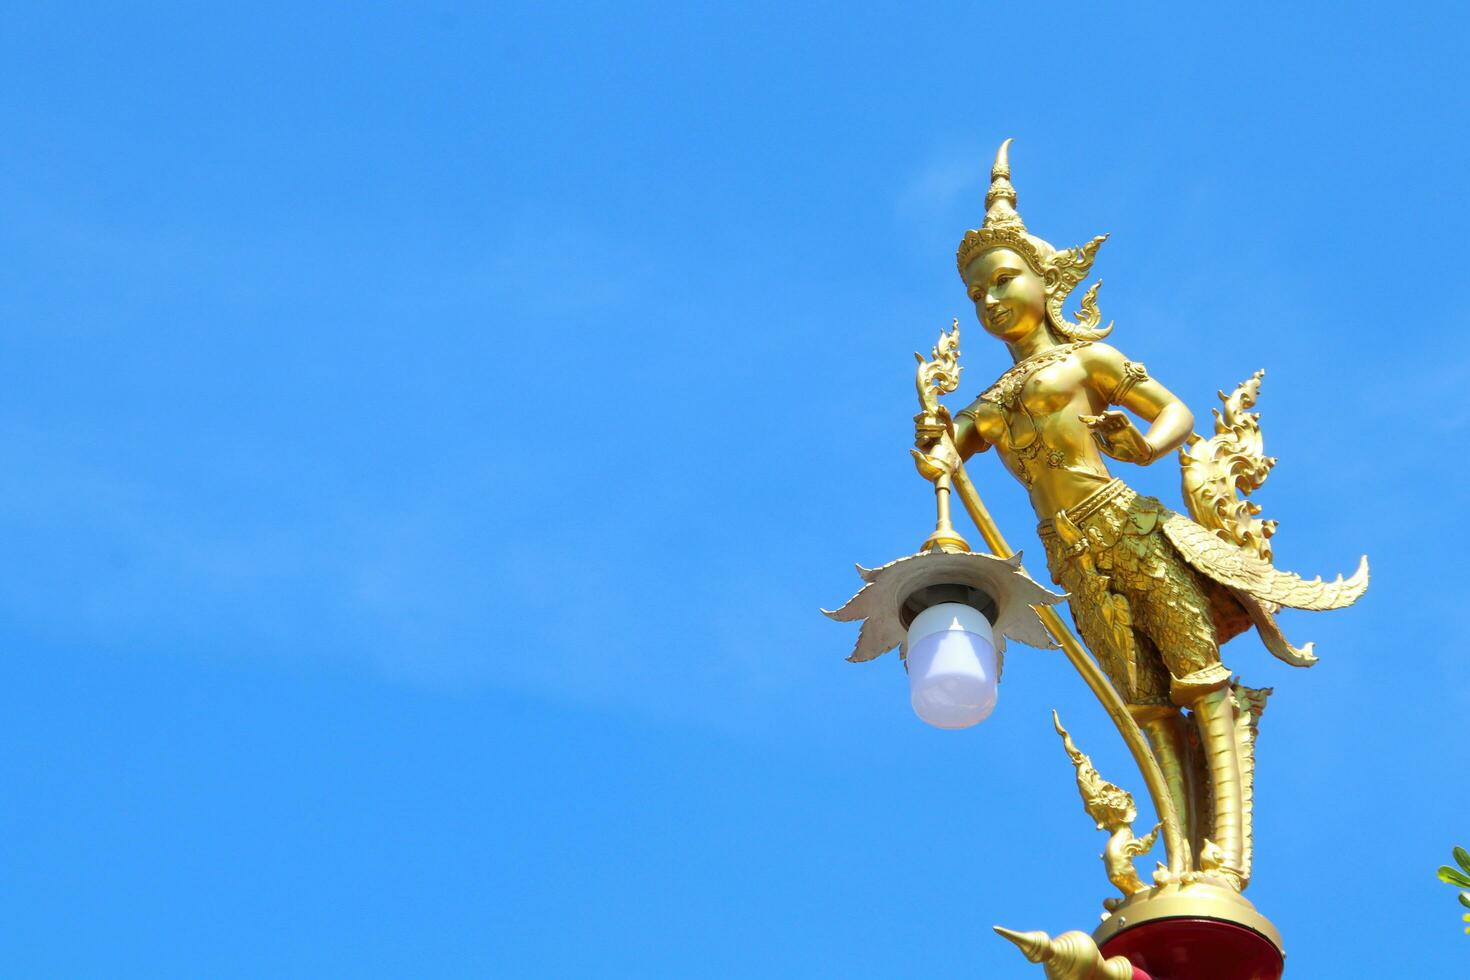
(1062, 270)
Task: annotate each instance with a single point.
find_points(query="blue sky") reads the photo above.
(429, 431)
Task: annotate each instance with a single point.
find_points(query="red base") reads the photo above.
(1196, 949)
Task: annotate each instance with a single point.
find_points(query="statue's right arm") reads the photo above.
(967, 436)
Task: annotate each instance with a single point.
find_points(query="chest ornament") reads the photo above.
(1006, 391)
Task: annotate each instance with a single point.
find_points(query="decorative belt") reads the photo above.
(1089, 505)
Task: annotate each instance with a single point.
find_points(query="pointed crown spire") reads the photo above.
(1000, 201)
(1002, 226)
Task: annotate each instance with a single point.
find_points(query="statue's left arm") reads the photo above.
(1112, 379)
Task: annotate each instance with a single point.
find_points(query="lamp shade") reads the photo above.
(952, 665)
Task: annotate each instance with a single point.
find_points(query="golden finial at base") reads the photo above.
(1070, 956)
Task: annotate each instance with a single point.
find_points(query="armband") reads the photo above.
(1133, 373)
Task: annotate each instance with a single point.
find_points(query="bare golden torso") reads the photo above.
(1031, 417)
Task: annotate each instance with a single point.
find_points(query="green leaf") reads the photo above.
(1462, 858)
(1450, 876)
(1465, 901)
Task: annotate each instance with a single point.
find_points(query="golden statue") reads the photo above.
(1153, 593)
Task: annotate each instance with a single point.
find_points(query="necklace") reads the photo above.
(1006, 392)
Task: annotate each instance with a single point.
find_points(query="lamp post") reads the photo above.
(1154, 594)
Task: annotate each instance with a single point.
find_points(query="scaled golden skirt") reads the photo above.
(1154, 622)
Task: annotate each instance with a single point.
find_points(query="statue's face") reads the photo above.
(1010, 298)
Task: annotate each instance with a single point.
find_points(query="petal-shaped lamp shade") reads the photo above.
(952, 668)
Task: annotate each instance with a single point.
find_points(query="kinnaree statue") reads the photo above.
(1153, 593)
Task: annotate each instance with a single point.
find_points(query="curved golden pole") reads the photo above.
(1175, 845)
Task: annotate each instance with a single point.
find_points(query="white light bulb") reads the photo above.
(952, 665)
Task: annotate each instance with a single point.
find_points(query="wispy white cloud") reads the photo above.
(941, 183)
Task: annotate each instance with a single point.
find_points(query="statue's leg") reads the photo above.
(1250, 702)
(1203, 804)
(1215, 714)
(1172, 611)
(1168, 734)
